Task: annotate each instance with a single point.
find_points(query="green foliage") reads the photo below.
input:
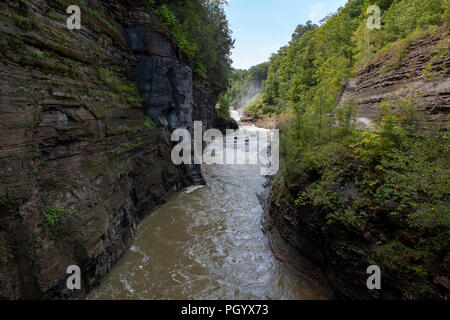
(129, 127)
(413, 264)
(394, 175)
(170, 21)
(201, 30)
(149, 123)
(127, 92)
(317, 59)
(254, 111)
(400, 20)
(54, 213)
(446, 15)
(111, 79)
(257, 109)
(301, 30)
(224, 107)
(404, 17)
(3, 45)
(24, 22)
(346, 116)
(98, 19)
(245, 85)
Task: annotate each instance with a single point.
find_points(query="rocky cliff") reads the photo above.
(85, 123)
(329, 254)
(418, 66)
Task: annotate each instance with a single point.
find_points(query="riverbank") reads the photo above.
(86, 117)
(206, 243)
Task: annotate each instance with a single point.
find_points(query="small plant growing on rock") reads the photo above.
(54, 213)
(149, 123)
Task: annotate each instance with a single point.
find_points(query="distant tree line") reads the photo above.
(398, 171)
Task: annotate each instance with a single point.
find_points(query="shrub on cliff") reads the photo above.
(224, 107)
(201, 30)
(54, 214)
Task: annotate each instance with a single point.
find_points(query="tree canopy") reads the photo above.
(202, 32)
(398, 174)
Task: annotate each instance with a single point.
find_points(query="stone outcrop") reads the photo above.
(330, 258)
(85, 124)
(419, 66)
(291, 243)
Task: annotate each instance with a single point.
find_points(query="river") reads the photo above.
(205, 243)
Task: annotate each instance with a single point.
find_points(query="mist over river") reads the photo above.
(205, 243)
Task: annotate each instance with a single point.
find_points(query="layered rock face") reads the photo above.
(331, 256)
(85, 123)
(418, 67)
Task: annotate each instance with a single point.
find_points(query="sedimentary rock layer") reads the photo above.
(85, 123)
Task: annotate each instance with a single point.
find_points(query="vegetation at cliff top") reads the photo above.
(201, 30)
(395, 177)
(224, 107)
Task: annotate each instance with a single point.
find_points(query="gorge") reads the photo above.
(87, 176)
(77, 138)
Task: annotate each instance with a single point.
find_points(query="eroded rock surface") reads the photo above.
(76, 136)
(419, 68)
(332, 256)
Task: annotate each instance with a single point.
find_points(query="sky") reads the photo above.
(261, 27)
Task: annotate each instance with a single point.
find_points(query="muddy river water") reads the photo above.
(205, 243)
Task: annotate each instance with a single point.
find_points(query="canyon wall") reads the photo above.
(419, 66)
(85, 123)
(330, 255)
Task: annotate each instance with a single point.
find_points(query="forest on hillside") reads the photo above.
(399, 168)
(246, 85)
(100, 198)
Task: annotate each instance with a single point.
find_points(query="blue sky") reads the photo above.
(261, 27)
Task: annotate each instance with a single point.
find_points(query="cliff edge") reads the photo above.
(86, 118)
